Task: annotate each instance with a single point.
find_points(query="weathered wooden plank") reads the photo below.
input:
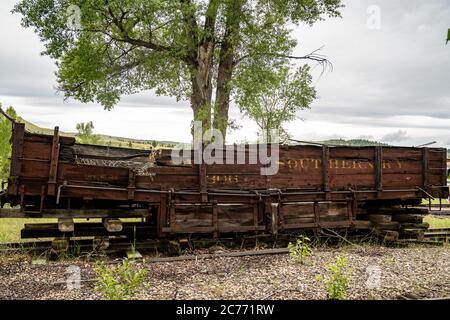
(17, 148)
(54, 158)
(325, 170)
(211, 229)
(425, 168)
(74, 213)
(37, 150)
(379, 168)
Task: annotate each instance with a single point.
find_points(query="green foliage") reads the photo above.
(337, 280)
(119, 282)
(183, 49)
(85, 133)
(448, 35)
(5, 145)
(277, 99)
(301, 249)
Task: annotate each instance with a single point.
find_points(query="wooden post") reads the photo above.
(41, 207)
(172, 215)
(51, 190)
(425, 157)
(325, 171)
(255, 215)
(162, 215)
(203, 182)
(215, 219)
(444, 166)
(16, 157)
(351, 209)
(316, 214)
(274, 218)
(379, 168)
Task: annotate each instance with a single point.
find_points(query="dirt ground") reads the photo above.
(376, 273)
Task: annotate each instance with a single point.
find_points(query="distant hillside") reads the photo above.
(106, 140)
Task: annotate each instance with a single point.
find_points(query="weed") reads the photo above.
(301, 249)
(120, 282)
(337, 280)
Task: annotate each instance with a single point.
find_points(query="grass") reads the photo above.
(436, 222)
(435, 201)
(10, 227)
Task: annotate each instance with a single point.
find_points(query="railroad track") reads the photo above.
(442, 234)
(175, 247)
(436, 210)
(117, 246)
(84, 245)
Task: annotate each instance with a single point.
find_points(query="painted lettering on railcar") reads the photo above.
(312, 163)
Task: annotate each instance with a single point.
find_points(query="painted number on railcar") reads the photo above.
(223, 179)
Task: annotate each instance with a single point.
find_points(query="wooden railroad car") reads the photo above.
(315, 187)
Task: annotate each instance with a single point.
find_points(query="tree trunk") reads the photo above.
(202, 66)
(199, 59)
(202, 85)
(226, 66)
(223, 92)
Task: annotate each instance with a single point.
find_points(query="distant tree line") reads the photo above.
(353, 142)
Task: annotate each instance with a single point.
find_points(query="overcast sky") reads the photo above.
(390, 82)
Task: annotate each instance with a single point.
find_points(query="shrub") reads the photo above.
(120, 282)
(337, 280)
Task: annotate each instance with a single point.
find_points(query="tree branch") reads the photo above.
(118, 22)
(313, 56)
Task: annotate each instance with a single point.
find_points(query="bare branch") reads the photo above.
(313, 56)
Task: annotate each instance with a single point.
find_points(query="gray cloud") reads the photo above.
(397, 136)
(401, 69)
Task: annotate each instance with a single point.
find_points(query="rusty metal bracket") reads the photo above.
(426, 193)
(58, 194)
(280, 194)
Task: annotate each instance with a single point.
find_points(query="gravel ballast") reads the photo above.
(376, 273)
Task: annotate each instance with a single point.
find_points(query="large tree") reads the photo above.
(191, 49)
